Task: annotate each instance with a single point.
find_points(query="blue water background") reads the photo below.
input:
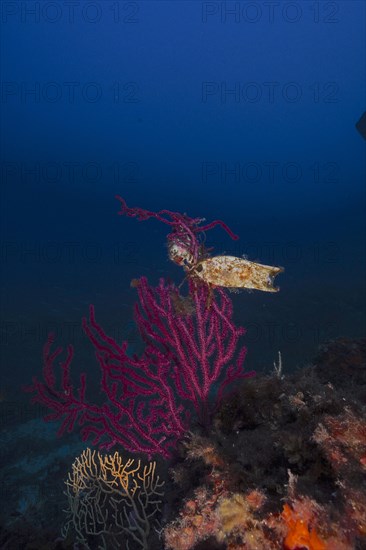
(246, 117)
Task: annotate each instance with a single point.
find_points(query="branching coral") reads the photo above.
(111, 500)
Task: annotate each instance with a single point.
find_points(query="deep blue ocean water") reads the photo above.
(240, 111)
(230, 110)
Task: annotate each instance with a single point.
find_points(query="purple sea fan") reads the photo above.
(198, 336)
(192, 354)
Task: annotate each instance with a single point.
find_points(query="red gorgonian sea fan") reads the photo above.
(193, 352)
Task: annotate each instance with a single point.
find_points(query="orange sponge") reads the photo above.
(298, 535)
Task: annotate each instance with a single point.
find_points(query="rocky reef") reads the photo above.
(285, 464)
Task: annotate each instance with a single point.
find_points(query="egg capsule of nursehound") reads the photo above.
(233, 272)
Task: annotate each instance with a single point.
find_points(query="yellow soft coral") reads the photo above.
(234, 513)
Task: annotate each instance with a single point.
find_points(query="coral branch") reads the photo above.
(192, 354)
(185, 230)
